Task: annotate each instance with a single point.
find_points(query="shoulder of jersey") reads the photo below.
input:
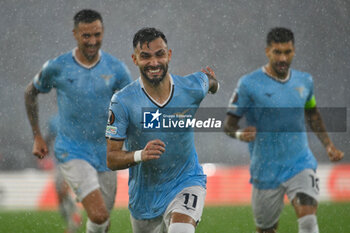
(252, 76)
(183, 80)
(110, 58)
(302, 76)
(129, 90)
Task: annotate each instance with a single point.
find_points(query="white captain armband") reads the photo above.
(137, 156)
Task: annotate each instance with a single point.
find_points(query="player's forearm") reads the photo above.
(231, 126)
(317, 126)
(118, 160)
(31, 104)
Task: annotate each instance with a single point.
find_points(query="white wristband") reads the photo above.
(137, 156)
(238, 134)
(217, 89)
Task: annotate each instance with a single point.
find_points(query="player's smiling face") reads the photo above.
(89, 38)
(280, 57)
(152, 59)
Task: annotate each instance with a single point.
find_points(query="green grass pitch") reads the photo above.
(332, 218)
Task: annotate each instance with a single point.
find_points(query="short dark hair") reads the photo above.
(279, 35)
(147, 35)
(86, 16)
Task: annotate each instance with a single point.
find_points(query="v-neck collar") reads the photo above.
(153, 100)
(83, 65)
(277, 79)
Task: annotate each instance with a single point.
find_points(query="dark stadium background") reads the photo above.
(228, 35)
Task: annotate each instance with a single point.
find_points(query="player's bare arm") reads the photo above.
(316, 124)
(231, 128)
(118, 159)
(39, 147)
(213, 82)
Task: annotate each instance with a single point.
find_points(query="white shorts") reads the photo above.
(190, 201)
(268, 204)
(83, 179)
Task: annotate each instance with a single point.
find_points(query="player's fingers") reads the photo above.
(157, 142)
(156, 147)
(154, 152)
(211, 71)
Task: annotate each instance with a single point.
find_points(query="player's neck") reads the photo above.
(160, 92)
(82, 60)
(270, 72)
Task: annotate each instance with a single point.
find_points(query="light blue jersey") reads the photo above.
(154, 184)
(83, 96)
(53, 126)
(280, 149)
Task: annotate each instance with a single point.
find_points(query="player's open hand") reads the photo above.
(39, 147)
(248, 134)
(209, 72)
(213, 83)
(153, 150)
(334, 154)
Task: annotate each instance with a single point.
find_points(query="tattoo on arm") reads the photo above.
(31, 104)
(316, 124)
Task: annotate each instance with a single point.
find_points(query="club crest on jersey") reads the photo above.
(106, 77)
(301, 91)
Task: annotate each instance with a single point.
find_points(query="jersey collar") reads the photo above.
(83, 65)
(153, 100)
(277, 79)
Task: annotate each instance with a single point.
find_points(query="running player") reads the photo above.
(66, 204)
(167, 186)
(275, 101)
(85, 79)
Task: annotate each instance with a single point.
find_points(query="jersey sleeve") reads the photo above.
(118, 122)
(240, 100)
(200, 81)
(310, 100)
(123, 76)
(43, 81)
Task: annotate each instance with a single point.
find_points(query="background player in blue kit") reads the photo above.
(85, 79)
(275, 101)
(66, 204)
(167, 186)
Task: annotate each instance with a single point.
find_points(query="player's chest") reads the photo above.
(281, 95)
(85, 81)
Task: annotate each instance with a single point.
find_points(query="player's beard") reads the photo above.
(91, 56)
(281, 69)
(154, 80)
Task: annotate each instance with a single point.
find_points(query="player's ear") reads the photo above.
(170, 52)
(267, 50)
(75, 33)
(133, 56)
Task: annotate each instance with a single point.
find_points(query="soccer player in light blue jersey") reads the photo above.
(85, 79)
(275, 101)
(167, 186)
(66, 204)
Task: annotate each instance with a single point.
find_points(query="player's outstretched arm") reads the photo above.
(30, 96)
(213, 82)
(316, 124)
(231, 128)
(118, 159)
